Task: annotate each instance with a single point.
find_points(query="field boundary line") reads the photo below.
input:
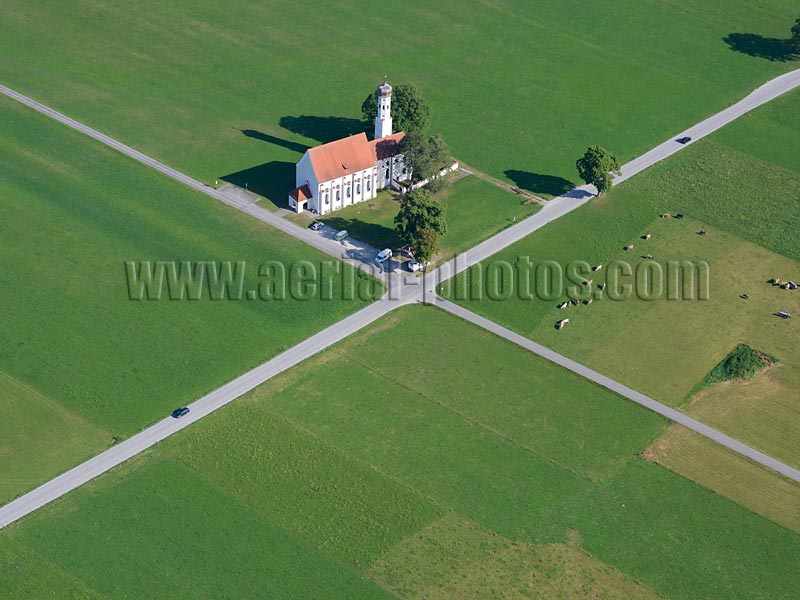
(553, 209)
(670, 413)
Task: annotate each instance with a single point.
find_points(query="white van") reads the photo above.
(341, 235)
(383, 255)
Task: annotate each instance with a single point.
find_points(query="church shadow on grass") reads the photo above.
(549, 185)
(373, 234)
(273, 180)
(271, 139)
(322, 129)
(752, 44)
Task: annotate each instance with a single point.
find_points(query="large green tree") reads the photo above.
(420, 223)
(425, 155)
(598, 167)
(409, 111)
(796, 35)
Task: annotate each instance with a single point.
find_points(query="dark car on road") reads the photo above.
(684, 140)
(180, 412)
(315, 226)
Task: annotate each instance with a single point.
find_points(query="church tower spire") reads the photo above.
(383, 120)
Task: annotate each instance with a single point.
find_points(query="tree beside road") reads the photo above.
(420, 223)
(598, 167)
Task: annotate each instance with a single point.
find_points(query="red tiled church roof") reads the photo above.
(386, 146)
(351, 155)
(301, 193)
(342, 157)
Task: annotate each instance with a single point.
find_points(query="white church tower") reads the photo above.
(383, 120)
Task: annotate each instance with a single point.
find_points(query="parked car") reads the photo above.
(414, 265)
(315, 226)
(383, 255)
(180, 412)
(684, 140)
(341, 235)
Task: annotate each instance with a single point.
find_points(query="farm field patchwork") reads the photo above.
(726, 187)
(233, 91)
(597, 232)
(418, 480)
(80, 362)
(754, 487)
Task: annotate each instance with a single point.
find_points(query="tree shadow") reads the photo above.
(373, 234)
(265, 137)
(753, 44)
(322, 129)
(549, 185)
(273, 180)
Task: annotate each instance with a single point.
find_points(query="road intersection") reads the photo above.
(403, 289)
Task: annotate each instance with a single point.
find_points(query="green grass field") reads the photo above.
(167, 533)
(748, 483)
(518, 90)
(738, 185)
(476, 210)
(425, 477)
(661, 347)
(80, 362)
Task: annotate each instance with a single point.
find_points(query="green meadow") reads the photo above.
(739, 185)
(661, 347)
(239, 90)
(456, 465)
(80, 362)
(476, 210)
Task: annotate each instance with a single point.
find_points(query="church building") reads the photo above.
(350, 170)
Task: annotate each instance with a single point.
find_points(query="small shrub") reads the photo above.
(742, 363)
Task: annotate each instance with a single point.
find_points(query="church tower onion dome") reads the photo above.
(385, 89)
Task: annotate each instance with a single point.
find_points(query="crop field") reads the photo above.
(698, 458)
(407, 473)
(475, 208)
(517, 90)
(736, 185)
(80, 362)
(665, 348)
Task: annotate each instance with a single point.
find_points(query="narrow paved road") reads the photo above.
(328, 246)
(558, 207)
(140, 442)
(620, 389)
(403, 289)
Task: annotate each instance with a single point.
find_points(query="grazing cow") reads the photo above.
(679, 216)
(588, 301)
(646, 236)
(603, 286)
(563, 305)
(561, 323)
(785, 285)
(792, 285)
(665, 215)
(574, 302)
(702, 232)
(597, 268)
(628, 247)
(776, 281)
(588, 283)
(648, 256)
(745, 296)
